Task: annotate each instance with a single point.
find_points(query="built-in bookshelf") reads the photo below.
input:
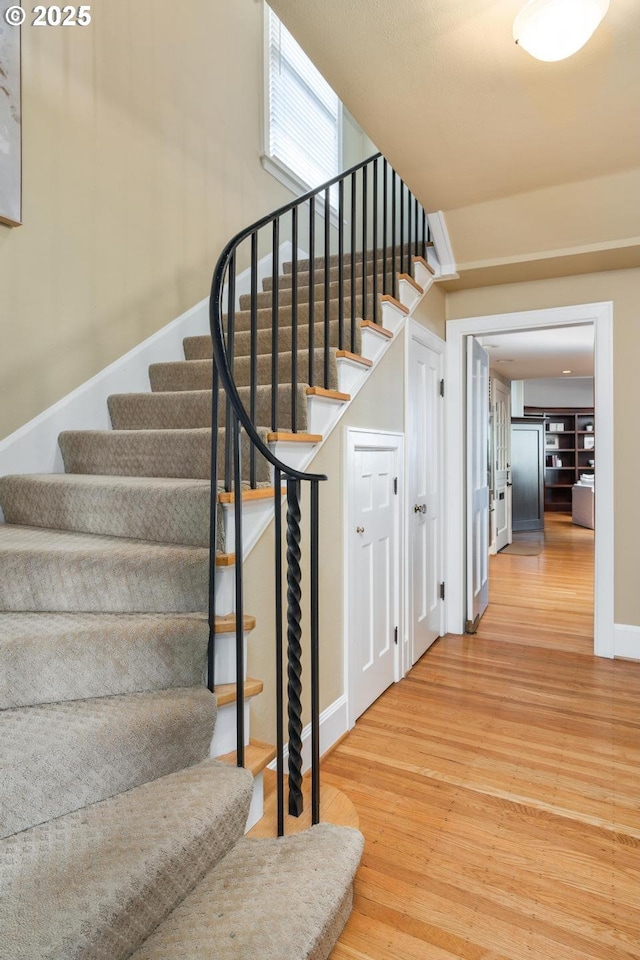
(569, 451)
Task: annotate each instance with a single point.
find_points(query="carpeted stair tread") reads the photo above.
(49, 657)
(285, 290)
(285, 281)
(276, 899)
(185, 409)
(58, 757)
(198, 374)
(264, 316)
(200, 348)
(164, 509)
(150, 453)
(61, 571)
(94, 884)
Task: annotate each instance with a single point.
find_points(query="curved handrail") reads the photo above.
(217, 332)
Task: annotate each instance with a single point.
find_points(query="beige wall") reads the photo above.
(142, 138)
(623, 288)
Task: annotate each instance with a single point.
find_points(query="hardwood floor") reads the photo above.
(497, 785)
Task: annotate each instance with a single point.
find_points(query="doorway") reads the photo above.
(600, 315)
(373, 574)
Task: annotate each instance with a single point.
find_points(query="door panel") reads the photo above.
(477, 482)
(373, 578)
(425, 494)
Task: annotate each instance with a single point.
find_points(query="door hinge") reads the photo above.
(395, 635)
(395, 485)
(442, 591)
(442, 388)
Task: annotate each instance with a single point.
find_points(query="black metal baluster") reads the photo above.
(294, 321)
(365, 241)
(239, 598)
(401, 226)
(393, 232)
(277, 503)
(353, 262)
(312, 288)
(231, 309)
(327, 280)
(424, 235)
(213, 529)
(416, 231)
(294, 647)
(275, 320)
(384, 226)
(254, 351)
(341, 265)
(409, 228)
(315, 654)
(375, 241)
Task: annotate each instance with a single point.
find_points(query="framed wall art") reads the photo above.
(10, 121)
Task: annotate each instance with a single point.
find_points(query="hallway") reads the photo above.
(497, 784)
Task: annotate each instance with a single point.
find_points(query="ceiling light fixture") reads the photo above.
(567, 371)
(556, 29)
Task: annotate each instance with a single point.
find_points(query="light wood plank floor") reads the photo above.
(497, 786)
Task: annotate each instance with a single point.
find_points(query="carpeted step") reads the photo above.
(334, 258)
(285, 291)
(192, 408)
(285, 899)
(58, 757)
(285, 281)
(198, 374)
(167, 510)
(79, 572)
(264, 316)
(50, 657)
(151, 453)
(96, 883)
(200, 348)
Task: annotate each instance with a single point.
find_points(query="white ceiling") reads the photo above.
(538, 354)
(472, 122)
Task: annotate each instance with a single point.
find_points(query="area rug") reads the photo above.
(523, 549)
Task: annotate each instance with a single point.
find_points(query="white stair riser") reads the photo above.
(373, 344)
(392, 317)
(225, 657)
(256, 810)
(224, 735)
(423, 276)
(225, 590)
(322, 414)
(351, 375)
(295, 455)
(407, 293)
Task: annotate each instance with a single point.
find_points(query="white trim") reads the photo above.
(626, 641)
(333, 725)
(601, 316)
(442, 243)
(373, 440)
(415, 330)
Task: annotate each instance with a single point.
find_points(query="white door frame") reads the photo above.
(355, 437)
(414, 330)
(601, 316)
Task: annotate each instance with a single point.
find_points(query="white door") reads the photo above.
(501, 495)
(424, 432)
(373, 578)
(477, 482)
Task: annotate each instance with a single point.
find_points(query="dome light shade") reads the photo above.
(555, 29)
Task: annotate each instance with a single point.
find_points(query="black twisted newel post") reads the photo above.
(294, 648)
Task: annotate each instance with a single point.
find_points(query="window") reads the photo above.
(303, 114)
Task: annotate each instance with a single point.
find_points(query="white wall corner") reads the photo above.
(442, 244)
(626, 641)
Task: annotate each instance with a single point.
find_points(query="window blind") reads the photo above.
(304, 112)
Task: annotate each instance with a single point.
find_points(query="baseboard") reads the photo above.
(626, 641)
(333, 726)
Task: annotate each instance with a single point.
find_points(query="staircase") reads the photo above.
(128, 771)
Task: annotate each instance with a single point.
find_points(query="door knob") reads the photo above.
(419, 508)
(359, 529)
